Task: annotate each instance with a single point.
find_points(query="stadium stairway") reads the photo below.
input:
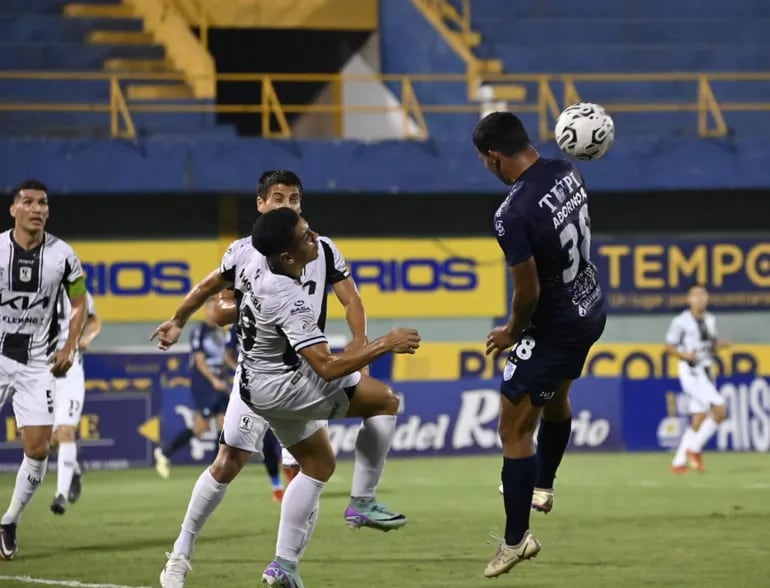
(562, 36)
(88, 36)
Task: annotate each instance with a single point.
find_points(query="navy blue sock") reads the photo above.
(271, 449)
(182, 439)
(552, 440)
(518, 483)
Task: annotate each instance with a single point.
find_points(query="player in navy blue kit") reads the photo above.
(557, 313)
(209, 386)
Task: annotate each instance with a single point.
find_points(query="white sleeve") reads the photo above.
(72, 268)
(295, 317)
(230, 260)
(90, 306)
(675, 332)
(338, 269)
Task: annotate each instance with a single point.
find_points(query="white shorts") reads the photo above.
(70, 394)
(32, 389)
(697, 384)
(287, 458)
(242, 429)
(298, 403)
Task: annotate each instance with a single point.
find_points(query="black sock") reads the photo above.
(552, 440)
(271, 449)
(518, 483)
(182, 439)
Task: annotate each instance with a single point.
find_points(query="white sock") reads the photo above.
(297, 507)
(206, 496)
(707, 428)
(310, 528)
(78, 471)
(372, 445)
(680, 458)
(66, 462)
(28, 478)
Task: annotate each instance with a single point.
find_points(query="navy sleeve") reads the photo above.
(515, 238)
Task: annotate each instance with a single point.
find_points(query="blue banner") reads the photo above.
(652, 275)
(113, 433)
(460, 417)
(656, 414)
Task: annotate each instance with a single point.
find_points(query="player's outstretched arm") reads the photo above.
(331, 366)
(526, 293)
(169, 331)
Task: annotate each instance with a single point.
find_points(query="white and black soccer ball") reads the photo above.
(585, 131)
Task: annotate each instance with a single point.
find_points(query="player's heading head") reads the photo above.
(287, 241)
(279, 188)
(697, 298)
(503, 145)
(29, 206)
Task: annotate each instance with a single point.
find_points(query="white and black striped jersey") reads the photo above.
(327, 269)
(30, 284)
(692, 335)
(63, 311)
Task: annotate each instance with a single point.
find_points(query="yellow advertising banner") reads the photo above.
(426, 278)
(144, 280)
(397, 278)
(637, 361)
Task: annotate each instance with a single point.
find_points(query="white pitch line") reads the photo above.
(70, 583)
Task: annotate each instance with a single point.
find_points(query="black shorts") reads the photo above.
(207, 400)
(536, 367)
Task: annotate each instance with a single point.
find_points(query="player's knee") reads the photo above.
(392, 403)
(64, 434)
(38, 450)
(319, 468)
(228, 463)
(719, 413)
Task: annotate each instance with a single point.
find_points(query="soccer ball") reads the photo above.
(585, 131)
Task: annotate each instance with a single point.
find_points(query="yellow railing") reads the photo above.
(196, 13)
(547, 95)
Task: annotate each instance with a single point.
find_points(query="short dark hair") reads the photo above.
(271, 177)
(29, 185)
(693, 285)
(273, 232)
(500, 131)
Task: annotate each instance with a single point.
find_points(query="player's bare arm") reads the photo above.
(525, 296)
(62, 359)
(225, 308)
(90, 332)
(331, 366)
(355, 315)
(687, 356)
(169, 331)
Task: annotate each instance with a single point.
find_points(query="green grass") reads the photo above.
(619, 520)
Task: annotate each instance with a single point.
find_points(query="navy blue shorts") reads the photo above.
(207, 400)
(536, 367)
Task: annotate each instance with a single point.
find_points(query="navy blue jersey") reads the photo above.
(232, 338)
(211, 341)
(545, 216)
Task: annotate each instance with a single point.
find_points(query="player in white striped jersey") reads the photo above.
(692, 337)
(243, 431)
(68, 405)
(297, 394)
(34, 266)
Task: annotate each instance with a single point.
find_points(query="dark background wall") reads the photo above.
(158, 216)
